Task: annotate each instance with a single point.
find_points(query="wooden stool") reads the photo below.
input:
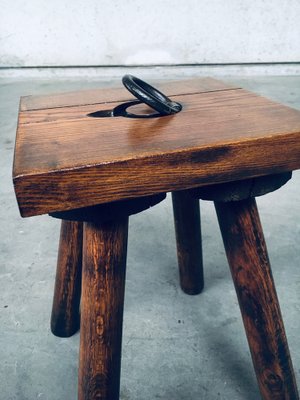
(100, 170)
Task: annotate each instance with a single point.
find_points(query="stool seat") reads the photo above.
(65, 159)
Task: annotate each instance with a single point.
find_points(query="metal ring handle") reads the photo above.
(150, 96)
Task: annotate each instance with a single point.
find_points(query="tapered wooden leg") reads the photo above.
(251, 272)
(103, 285)
(189, 243)
(65, 310)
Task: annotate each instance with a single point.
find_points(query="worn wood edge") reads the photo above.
(121, 94)
(155, 174)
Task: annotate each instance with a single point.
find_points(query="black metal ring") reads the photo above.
(150, 96)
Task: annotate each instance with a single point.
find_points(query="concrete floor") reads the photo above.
(175, 346)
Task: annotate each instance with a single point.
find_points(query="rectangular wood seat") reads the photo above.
(65, 159)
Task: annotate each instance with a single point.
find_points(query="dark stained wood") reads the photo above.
(66, 160)
(66, 301)
(251, 273)
(102, 95)
(186, 212)
(111, 211)
(103, 285)
(240, 190)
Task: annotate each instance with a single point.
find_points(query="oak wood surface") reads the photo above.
(251, 272)
(67, 290)
(104, 95)
(65, 159)
(103, 286)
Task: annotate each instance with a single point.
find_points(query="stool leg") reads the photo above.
(248, 259)
(103, 286)
(65, 309)
(186, 212)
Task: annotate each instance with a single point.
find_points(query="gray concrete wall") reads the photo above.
(166, 32)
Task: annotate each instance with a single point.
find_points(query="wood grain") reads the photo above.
(186, 212)
(103, 95)
(251, 272)
(103, 285)
(65, 160)
(67, 290)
